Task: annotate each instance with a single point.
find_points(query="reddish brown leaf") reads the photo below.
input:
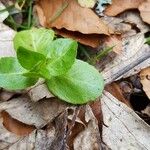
(16, 126)
(92, 40)
(144, 9)
(119, 6)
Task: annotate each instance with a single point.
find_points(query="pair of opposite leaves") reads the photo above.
(40, 56)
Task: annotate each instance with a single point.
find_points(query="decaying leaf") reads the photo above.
(87, 3)
(72, 18)
(116, 25)
(144, 9)
(6, 44)
(4, 14)
(119, 6)
(122, 126)
(89, 138)
(134, 57)
(133, 18)
(39, 92)
(145, 80)
(15, 126)
(31, 113)
(92, 40)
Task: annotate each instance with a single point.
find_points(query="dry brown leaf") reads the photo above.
(89, 138)
(116, 41)
(115, 90)
(144, 9)
(73, 18)
(92, 40)
(72, 21)
(145, 80)
(31, 113)
(15, 126)
(119, 6)
(123, 126)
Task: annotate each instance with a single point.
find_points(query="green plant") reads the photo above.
(40, 56)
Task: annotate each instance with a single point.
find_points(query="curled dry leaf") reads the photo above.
(37, 114)
(73, 18)
(134, 57)
(119, 6)
(15, 126)
(123, 126)
(145, 80)
(89, 138)
(144, 9)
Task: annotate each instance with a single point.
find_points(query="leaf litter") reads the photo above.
(49, 117)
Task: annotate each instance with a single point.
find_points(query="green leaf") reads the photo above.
(29, 59)
(37, 40)
(81, 84)
(61, 56)
(11, 75)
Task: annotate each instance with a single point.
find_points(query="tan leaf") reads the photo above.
(92, 40)
(116, 41)
(123, 126)
(144, 9)
(119, 6)
(145, 80)
(15, 126)
(73, 17)
(87, 3)
(31, 113)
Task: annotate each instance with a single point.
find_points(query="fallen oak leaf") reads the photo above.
(16, 126)
(73, 18)
(72, 21)
(92, 40)
(118, 7)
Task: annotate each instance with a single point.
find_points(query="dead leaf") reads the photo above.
(15, 126)
(31, 113)
(115, 90)
(36, 94)
(72, 21)
(89, 138)
(73, 18)
(144, 9)
(116, 41)
(133, 18)
(123, 126)
(92, 40)
(116, 25)
(145, 80)
(119, 6)
(134, 57)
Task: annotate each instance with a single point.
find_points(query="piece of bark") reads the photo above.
(119, 6)
(31, 113)
(144, 9)
(123, 126)
(134, 57)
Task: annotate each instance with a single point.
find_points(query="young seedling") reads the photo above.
(40, 56)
